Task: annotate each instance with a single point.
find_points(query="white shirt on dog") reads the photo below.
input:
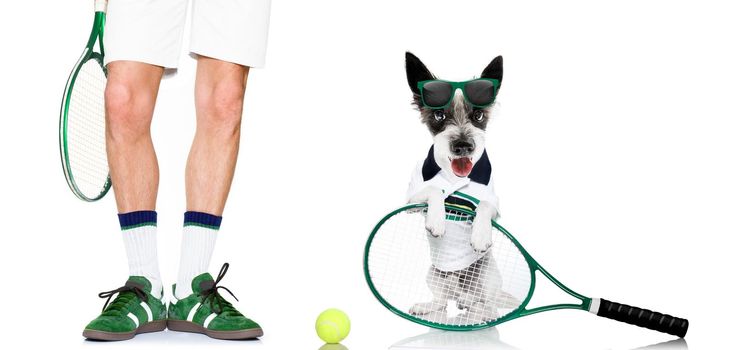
(453, 250)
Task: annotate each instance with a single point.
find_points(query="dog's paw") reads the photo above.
(483, 312)
(481, 238)
(435, 224)
(463, 302)
(467, 300)
(426, 308)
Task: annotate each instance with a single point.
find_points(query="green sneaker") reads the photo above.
(207, 312)
(134, 311)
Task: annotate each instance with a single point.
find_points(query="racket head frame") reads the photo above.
(533, 265)
(88, 54)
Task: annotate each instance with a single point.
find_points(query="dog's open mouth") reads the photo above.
(461, 166)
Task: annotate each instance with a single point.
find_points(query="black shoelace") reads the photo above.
(216, 301)
(126, 288)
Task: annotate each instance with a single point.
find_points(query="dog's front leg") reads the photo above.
(436, 214)
(481, 233)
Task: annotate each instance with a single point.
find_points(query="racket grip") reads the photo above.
(100, 5)
(643, 318)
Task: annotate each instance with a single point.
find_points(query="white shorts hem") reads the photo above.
(251, 62)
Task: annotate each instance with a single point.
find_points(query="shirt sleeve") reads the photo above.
(417, 184)
(491, 197)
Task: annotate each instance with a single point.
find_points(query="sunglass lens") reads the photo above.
(436, 93)
(480, 92)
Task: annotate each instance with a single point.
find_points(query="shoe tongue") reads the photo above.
(140, 282)
(202, 282)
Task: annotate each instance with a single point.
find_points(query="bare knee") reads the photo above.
(219, 107)
(129, 112)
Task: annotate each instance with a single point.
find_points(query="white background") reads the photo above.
(611, 148)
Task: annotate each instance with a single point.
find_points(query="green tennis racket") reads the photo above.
(406, 270)
(82, 121)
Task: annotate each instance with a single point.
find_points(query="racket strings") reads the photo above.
(443, 280)
(85, 131)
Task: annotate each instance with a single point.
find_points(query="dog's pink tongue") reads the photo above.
(461, 166)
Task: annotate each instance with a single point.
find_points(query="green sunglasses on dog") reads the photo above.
(437, 94)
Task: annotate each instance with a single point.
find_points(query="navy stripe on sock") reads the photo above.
(197, 218)
(137, 219)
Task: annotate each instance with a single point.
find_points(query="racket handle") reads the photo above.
(642, 317)
(100, 5)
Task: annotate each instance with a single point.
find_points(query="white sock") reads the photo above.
(141, 244)
(197, 245)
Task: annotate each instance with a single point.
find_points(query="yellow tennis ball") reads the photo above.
(332, 326)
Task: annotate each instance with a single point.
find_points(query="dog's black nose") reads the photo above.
(462, 148)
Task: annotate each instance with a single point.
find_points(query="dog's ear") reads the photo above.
(494, 69)
(416, 71)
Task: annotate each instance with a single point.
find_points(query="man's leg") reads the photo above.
(220, 89)
(132, 88)
(219, 94)
(130, 96)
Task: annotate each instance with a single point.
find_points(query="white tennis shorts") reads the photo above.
(151, 31)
